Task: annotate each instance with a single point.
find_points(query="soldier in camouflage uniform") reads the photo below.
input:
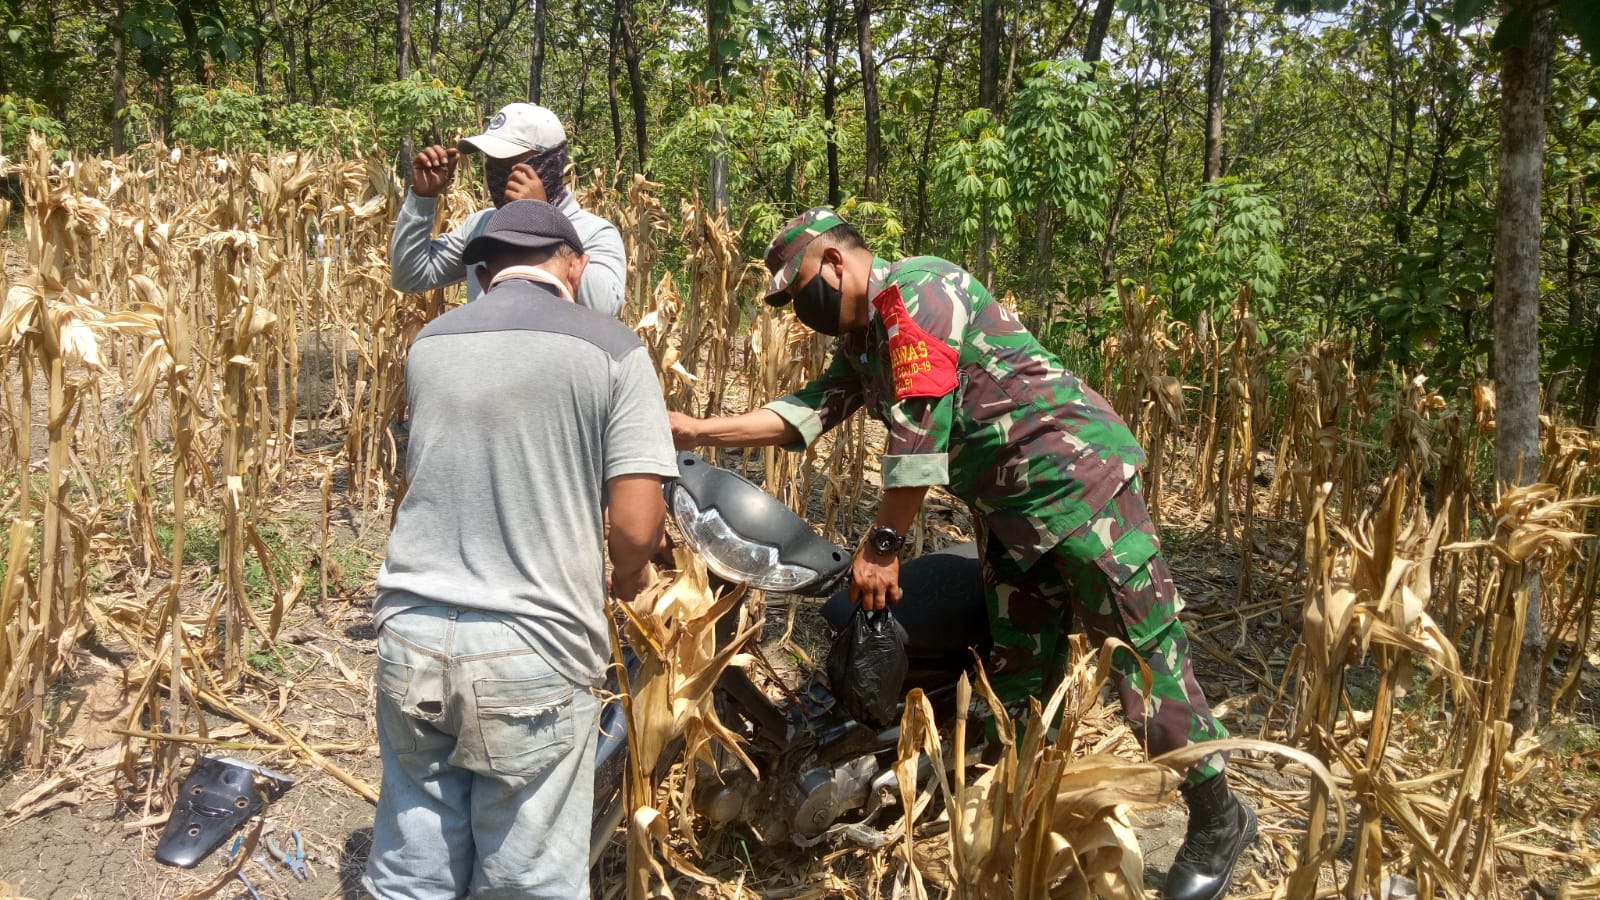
(973, 403)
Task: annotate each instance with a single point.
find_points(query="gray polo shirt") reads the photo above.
(522, 407)
(418, 261)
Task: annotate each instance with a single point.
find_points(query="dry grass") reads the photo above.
(153, 353)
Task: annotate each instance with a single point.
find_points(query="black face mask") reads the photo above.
(818, 305)
(495, 175)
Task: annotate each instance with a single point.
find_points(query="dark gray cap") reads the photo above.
(526, 224)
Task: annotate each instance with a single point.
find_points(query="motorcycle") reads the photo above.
(817, 763)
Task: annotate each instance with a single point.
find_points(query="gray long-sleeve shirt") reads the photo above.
(418, 261)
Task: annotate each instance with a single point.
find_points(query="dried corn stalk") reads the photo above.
(672, 627)
(1046, 820)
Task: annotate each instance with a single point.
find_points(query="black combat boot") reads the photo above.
(1219, 829)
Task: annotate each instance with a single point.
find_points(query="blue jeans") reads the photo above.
(488, 763)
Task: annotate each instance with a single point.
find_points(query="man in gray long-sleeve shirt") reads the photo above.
(525, 155)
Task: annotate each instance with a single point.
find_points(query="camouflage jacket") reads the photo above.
(972, 402)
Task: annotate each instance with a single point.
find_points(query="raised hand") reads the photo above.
(432, 170)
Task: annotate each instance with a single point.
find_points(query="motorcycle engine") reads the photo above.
(785, 804)
(828, 793)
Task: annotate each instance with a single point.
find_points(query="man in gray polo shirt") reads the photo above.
(531, 417)
(525, 155)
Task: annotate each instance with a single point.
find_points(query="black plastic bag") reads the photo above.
(867, 667)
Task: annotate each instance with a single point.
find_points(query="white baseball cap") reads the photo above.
(517, 130)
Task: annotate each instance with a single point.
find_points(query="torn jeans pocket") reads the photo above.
(525, 723)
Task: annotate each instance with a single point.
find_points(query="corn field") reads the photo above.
(158, 325)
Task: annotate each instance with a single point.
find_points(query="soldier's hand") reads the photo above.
(432, 170)
(685, 430)
(524, 184)
(875, 578)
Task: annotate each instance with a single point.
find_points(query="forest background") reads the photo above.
(1342, 162)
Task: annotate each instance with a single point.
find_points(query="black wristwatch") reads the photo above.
(885, 539)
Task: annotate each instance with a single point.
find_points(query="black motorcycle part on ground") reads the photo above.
(755, 515)
(867, 666)
(218, 796)
(942, 607)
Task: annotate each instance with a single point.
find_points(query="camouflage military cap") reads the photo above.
(789, 247)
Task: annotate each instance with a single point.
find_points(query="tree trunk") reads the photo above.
(869, 99)
(119, 84)
(286, 37)
(1525, 87)
(1575, 243)
(830, 96)
(636, 96)
(611, 82)
(1098, 26)
(310, 64)
(1044, 242)
(536, 10)
(1108, 249)
(990, 27)
(433, 37)
(580, 106)
(1589, 405)
(1214, 85)
(716, 30)
(925, 166)
(198, 58)
(402, 70)
(1011, 57)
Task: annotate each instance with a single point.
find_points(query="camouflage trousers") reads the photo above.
(1110, 576)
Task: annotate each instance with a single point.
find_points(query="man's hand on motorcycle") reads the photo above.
(875, 578)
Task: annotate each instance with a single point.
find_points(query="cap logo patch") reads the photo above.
(498, 120)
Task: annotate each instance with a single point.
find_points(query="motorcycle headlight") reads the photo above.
(732, 556)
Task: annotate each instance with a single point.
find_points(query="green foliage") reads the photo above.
(412, 104)
(974, 173)
(236, 118)
(324, 128)
(1372, 128)
(1058, 143)
(768, 145)
(20, 115)
(230, 117)
(1228, 239)
(202, 542)
(1432, 284)
(202, 546)
(878, 224)
(354, 563)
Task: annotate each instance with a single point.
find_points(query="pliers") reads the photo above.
(234, 851)
(297, 861)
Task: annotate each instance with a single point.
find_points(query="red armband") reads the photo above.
(923, 365)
